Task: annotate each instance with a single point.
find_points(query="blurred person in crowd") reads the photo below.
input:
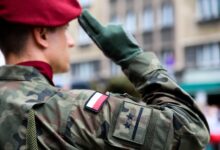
(34, 114)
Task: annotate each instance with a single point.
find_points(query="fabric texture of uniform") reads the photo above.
(166, 118)
(39, 12)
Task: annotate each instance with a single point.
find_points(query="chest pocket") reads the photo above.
(146, 127)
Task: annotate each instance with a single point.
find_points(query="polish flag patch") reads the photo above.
(96, 102)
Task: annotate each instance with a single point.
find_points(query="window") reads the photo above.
(148, 19)
(85, 3)
(208, 10)
(167, 35)
(130, 21)
(191, 57)
(84, 39)
(167, 18)
(85, 71)
(203, 56)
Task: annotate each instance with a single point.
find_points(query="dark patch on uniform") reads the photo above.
(154, 82)
(184, 113)
(177, 125)
(104, 130)
(184, 98)
(28, 76)
(68, 136)
(24, 123)
(21, 142)
(130, 116)
(69, 125)
(154, 86)
(128, 122)
(60, 94)
(41, 96)
(39, 130)
(127, 125)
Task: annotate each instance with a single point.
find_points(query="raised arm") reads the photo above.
(174, 117)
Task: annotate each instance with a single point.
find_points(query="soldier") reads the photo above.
(36, 115)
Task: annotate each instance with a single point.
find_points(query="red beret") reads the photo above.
(39, 12)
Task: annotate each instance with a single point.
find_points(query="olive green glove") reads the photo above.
(112, 40)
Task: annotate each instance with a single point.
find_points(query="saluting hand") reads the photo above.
(112, 39)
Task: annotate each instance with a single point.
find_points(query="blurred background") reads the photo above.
(185, 35)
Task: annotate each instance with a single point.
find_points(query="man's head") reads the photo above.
(37, 30)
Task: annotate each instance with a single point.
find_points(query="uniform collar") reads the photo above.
(21, 73)
(44, 68)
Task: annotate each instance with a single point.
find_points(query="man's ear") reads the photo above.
(40, 37)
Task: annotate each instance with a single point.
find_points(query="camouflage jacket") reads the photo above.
(166, 118)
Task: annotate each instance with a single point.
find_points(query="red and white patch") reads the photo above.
(96, 101)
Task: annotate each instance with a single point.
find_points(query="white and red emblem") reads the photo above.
(96, 102)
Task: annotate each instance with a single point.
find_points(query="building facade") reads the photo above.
(198, 47)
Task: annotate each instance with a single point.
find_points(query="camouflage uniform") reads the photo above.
(166, 117)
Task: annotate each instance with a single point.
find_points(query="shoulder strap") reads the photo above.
(31, 137)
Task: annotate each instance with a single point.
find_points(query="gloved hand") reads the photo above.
(112, 40)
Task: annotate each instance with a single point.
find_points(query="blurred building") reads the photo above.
(184, 34)
(197, 48)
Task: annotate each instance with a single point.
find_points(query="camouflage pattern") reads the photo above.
(165, 119)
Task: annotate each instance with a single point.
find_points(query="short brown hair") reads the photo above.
(13, 37)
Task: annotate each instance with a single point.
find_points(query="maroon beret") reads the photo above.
(39, 12)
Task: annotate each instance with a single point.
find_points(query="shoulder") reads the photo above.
(71, 100)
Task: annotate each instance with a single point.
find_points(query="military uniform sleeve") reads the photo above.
(159, 89)
(167, 118)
